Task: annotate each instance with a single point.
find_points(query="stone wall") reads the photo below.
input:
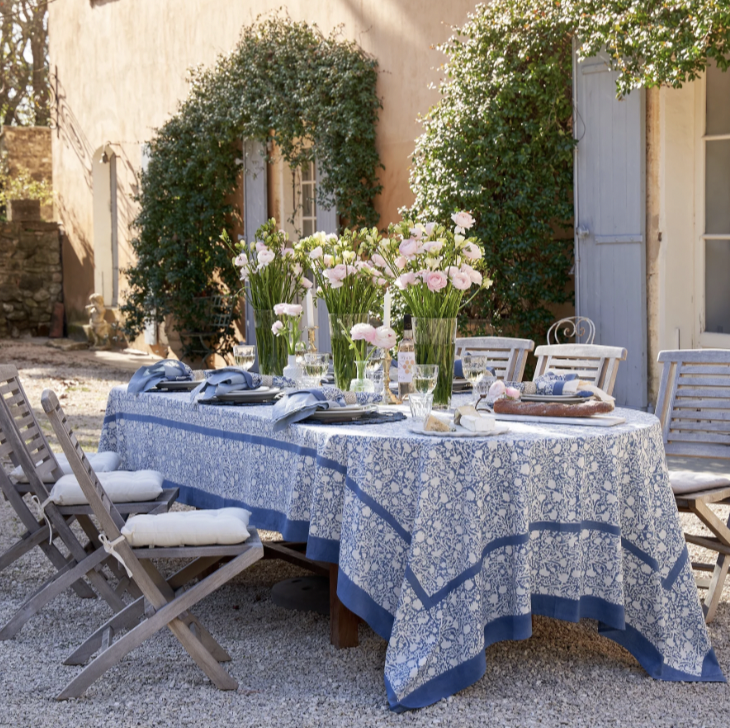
(29, 147)
(30, 277)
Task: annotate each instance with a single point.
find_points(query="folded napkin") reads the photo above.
(302, 403)
(167, 370)
(225, 381)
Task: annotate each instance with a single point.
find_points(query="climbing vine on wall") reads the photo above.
(315, 96)
(500, 142)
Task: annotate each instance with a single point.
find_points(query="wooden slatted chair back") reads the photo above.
(104, 509)
(594, 363)
(30, 449)
(694, 402)
(505, 356)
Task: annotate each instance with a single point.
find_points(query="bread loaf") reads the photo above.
(552, 409)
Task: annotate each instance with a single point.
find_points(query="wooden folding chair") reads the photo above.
(23, 443)
(506, 357)
(694, 409)
(164, 603)
(596, 364)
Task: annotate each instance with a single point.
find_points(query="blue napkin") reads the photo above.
(552, 383)
(299, 405)
(224, 381)
(167, 370)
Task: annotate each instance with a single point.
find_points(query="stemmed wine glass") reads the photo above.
(475, 367)
(244, 355)
(425, 377)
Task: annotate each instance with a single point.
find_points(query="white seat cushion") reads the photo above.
(188, 528)
(687, 481)
(102, 462)
(122, 486)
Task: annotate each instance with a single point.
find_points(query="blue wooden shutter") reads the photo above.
(610, 214)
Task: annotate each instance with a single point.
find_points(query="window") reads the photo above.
(309, 200)
(717, 202)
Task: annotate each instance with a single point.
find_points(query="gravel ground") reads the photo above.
(288, 673)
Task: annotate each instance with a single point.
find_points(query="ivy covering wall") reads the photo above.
(500, 142)
(314, 95)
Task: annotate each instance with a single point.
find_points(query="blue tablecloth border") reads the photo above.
(520, 627)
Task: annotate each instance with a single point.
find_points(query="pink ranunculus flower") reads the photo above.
(471, 251)
(401, 262)
(460, 281)
(363, 332)
(288, 251)
(241, 259)
(474, 275)
(260, 246)
(417, 232)
(408, 247)
(385, 338)
(350, 270)
(265, 257)
(277, 327)
(306, 282)
(316, 253)
(430, 227)
(463, 221)
(433, 246)
(336, 274)
(512, 393)
(280, 308)
(497, 389)
(328, 260)
(293, 309)
(382, 282)
(435, 280)
(379, 260)
(404, 280)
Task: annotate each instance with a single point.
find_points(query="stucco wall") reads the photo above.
(121, 68)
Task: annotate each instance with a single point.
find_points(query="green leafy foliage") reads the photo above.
(500, 144)
(313, 95)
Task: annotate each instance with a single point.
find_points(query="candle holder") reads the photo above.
(388, 396)
(312, 336)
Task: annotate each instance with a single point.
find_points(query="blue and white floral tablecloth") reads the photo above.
(446, 546)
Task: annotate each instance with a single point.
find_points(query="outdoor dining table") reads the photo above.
(448, 545)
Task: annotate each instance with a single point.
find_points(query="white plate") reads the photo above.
(561, 398)
(592, 421)
(460, 432)
(342, 414)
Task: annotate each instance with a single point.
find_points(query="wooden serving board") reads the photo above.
(593, 421)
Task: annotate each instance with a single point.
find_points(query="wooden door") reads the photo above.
(610, 212)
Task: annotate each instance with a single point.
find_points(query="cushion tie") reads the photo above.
(109, 547)
(42, 514)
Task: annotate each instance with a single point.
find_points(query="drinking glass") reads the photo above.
(425, 377)
(244, 355)
(376, 377)
(315, 368)
(375, 359)
(421, 404)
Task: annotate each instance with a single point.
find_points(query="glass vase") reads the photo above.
(343, 356)
(272, 349)
(436, 344)
(362, 383)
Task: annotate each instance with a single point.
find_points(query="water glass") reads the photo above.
(421, 404)
(375, 359)
(425, 377)
(315, 367)
(376, 377)
(244, 355)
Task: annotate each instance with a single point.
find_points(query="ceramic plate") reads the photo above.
(561, 398)
(342, 414)
(499, 429)
(178, 386)
(262, 394)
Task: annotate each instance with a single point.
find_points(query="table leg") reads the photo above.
(343, 623)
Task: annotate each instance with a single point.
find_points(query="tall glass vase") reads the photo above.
(436, 344)
(271, 349)
(343, 356)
